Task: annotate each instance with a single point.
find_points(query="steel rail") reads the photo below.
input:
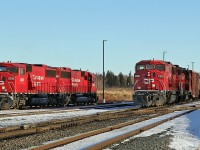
(113, 140)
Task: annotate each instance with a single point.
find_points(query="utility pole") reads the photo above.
(103, 72)
(192, 66)
(164, 55)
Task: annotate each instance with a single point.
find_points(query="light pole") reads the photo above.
(192, 66)
(103, 72)
(164, 55)
(188, 67)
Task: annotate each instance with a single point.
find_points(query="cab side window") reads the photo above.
(22, 71)
(140, 67)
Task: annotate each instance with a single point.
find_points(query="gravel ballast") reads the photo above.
(158, 141)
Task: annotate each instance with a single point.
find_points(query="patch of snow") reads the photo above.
(185, 131)
(37, 118)
(31, 119)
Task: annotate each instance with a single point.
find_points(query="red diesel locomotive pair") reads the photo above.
(159, 82)
(24, 85)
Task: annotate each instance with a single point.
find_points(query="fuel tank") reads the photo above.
(39, 100)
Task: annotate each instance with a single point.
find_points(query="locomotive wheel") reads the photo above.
(6, 103)
(6, 106)
(93, 100)
(1, 105)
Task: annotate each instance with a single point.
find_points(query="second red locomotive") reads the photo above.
(24, 85)
(159, 82)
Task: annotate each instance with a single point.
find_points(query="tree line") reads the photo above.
(112, 80)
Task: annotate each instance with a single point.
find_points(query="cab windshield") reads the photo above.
(150, 66)
(2, 69)
(160, 67)
(13, 69)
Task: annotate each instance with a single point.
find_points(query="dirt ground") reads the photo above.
(115, 95)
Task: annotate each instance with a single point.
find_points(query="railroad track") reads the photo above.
(140, 115)
(90, 137)
(22, 130)
(36, 111)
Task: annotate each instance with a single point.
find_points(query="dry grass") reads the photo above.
(115, 94)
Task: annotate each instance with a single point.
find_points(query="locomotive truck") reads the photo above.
(23, 85)
(158, 82)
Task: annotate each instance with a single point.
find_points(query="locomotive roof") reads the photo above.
(153, 61)
(64, 68)
(13, 63)
(39, 65)
(76, 70)
(163, 62)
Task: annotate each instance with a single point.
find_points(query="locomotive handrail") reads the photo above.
(10, 84)
(135, 83)
(161, 84)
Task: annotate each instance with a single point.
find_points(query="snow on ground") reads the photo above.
(185, 131)
(84, 143)
(32, 119)
(37, 118)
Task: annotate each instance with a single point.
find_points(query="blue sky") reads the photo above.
(70, 32)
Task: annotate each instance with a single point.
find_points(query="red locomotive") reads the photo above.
(24, 85)
(159, 82)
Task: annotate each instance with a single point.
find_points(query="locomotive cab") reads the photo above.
(149, 76)
(12, 83)
(149, 83)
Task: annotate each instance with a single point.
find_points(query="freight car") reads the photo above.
(158, 82)
(23, 85)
